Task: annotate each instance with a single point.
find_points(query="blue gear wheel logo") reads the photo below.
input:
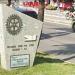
(14, 24)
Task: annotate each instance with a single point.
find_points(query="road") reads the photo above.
(55, 16)
(58, 40)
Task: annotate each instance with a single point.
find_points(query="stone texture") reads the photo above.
(16, 45)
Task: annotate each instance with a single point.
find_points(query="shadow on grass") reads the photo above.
(41, 54)
(39, 59)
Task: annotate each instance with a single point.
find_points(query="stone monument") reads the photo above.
(19, 38)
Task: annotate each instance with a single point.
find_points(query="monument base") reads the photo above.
(19, 38)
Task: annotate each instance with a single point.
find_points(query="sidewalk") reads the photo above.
(56, 16)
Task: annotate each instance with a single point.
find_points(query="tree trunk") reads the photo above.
(9, 2)
(41, 10)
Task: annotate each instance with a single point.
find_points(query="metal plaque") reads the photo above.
(19, 60)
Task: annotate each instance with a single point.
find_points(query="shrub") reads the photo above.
(51, 7)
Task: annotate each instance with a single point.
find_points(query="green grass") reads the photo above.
(44, 65)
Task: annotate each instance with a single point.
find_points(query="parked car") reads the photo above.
(28, 11)
(70, 15)
(23, 9)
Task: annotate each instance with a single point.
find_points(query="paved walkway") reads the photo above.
(58, 40)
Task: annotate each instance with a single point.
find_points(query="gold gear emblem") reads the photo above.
(14, 24)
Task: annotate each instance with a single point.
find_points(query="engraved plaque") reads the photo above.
(19, 60)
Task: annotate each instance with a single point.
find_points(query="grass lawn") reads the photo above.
(44, 65)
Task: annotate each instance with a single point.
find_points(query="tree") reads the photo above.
(41, 10)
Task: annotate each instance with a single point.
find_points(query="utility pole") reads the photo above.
(41, 10)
